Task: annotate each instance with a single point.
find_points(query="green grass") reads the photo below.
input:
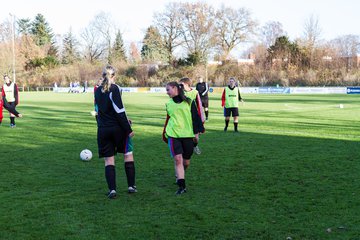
(293, 171)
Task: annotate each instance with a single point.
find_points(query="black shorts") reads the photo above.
(205, 102)
(228, 111)
(112, 140)
(10, 106)
(184, 146)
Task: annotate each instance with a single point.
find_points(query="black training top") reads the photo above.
(203, 89)
(111, 111)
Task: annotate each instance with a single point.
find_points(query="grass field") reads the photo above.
(292, 171)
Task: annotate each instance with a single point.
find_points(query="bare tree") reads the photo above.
(197, 28)
(169, 26)
(347, 47)
(104, 25)
(312, 31)
(5, 31)
(232, 27)
(94, 47)
(5, 47)
(270, 32)
(311, 38)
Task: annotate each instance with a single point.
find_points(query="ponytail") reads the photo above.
(108, 72)
(181, 92)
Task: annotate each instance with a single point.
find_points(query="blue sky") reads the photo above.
(336, 17)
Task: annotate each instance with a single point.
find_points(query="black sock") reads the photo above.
(181, 183)
(12, 120)
(195, 144)
(235, 126)
(130, 173)
(226, 123)
(110, 176)
(206, 114)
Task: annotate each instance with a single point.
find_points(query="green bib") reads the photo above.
(191, 94)
(231, 97)
(180, 122)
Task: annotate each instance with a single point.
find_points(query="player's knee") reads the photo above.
(178, 159)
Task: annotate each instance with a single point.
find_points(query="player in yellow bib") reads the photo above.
(230, 102)
(181, 126)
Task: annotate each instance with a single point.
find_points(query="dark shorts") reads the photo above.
(112, 140)
(231, 111)
(184, 146)
(10, 106)
(205, 102)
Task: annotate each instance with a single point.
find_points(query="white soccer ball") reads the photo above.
(86, 155)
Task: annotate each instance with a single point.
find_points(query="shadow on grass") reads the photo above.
(243, 186)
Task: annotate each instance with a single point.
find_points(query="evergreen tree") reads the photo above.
(285, 51)
(153, 48)
(41, 30)
(42, 34)
(24, 26)
(69, 53)
(118, 49)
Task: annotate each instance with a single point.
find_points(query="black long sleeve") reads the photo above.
(240, 98)
(198, 126)
(16, 94)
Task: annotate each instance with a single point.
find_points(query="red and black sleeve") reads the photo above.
(16, 94)
(223, 99)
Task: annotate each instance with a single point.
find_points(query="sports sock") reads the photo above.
(206, 114)
(130, 173)
(12, 120)
(110, 176)
(226, 123)
(235, 126)
(181, 183)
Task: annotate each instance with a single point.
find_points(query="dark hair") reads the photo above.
(186, 80)
(107, 73)
(181, 92)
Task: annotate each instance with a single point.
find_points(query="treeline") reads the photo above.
(185, 39)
